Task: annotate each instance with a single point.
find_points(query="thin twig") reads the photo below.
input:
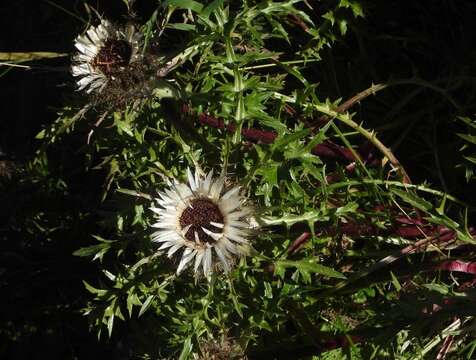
(96, 124)
(353, 100)
(345, 118)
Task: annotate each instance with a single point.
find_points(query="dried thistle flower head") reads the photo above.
(105, 52)
(204, 220)
(115, 68)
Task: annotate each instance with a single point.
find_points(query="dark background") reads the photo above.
(40, 281)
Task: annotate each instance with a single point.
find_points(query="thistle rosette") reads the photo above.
(204, 219)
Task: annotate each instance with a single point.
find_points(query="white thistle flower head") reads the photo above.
(204, 220)
(104, 51)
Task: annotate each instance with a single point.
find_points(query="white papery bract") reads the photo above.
(103, 51)
(204, 220)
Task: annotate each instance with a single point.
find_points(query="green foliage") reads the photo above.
(358, 275)
(468, 147)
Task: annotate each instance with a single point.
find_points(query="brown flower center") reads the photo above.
(199, 214)
(112, 56)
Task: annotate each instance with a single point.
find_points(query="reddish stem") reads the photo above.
(459, 266)
(327, 149)
(299, 242)
(408, 220)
